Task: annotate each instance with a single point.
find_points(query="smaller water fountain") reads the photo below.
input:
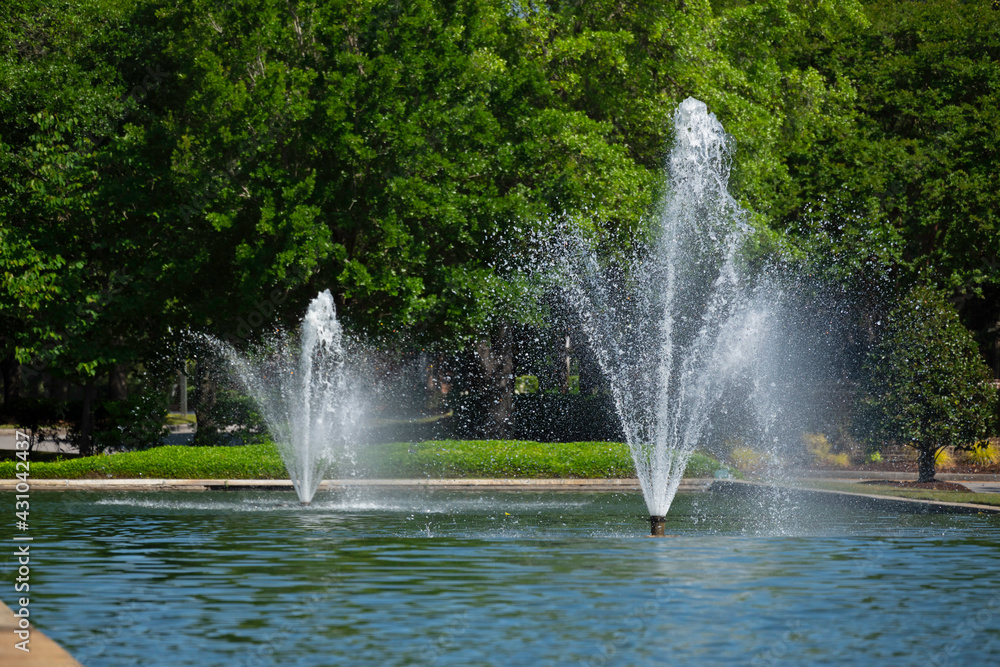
(307, 395)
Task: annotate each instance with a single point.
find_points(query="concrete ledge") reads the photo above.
(43, 651)
(894, 503)
(687, 485)
(731, 486)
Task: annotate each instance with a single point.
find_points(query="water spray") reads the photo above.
(677, 326)
(308, 395)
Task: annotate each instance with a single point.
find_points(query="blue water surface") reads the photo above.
(451, 578)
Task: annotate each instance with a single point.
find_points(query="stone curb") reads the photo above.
(742, 486)
(327, 485)
(43, 651)
(687, 485)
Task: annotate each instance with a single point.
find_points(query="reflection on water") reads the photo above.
(432, 577)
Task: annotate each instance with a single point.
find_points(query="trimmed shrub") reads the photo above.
(444, 458)
(235, 420)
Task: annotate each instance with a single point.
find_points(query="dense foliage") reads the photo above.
(908, 183)
(190, 159)
(205, 165)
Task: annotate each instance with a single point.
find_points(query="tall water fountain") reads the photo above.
(305, 390)
(674, 329)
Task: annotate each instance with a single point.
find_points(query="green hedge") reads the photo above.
(444, 458)
(512, 458)
(168, 462)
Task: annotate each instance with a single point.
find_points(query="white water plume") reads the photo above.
(675, 329)
(306, 392)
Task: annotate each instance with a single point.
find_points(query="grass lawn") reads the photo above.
(940, 496)
(434, 459)
(176, 419)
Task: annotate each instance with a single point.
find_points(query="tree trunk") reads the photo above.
(925, 464)
(496, 362)
(590, 370)
(117, 387)
(11, 370)
(994, 356)
(564, 360)
(437, 386)
(206, 430)
(182, 390)
(87, 418)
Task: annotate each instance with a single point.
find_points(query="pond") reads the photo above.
(431, 577)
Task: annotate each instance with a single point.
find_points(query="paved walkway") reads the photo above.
(8, 438)
(743, 487)
(974, 485)
(983, 487)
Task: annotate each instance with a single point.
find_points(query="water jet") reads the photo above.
(672, 329)
(307, 391)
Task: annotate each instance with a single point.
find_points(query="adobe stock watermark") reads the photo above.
(152, 80)
(635, 621)
(265, 309)
(86, 310)
(965, 632)
(22, 542)
(264, 654)
(447, 638)
(780, 649)
(129, 619)
(218, 177)
(132, 617)
(874, 558)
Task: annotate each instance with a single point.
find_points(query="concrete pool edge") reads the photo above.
(44, 652)
(691, 485)
(743, 487)
(509, 484)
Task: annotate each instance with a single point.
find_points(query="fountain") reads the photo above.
(304, 390)
(672, 331)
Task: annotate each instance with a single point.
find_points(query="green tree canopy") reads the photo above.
(910, 181)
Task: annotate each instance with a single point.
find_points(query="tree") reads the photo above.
(926, 74)
(116, 233)
(925, 385)
(909, 181)
(60, 92)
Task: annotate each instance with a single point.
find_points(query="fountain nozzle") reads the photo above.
(656, 525)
